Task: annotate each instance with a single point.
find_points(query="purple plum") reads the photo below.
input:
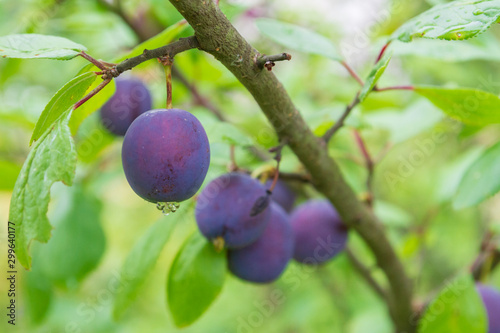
(491, 300)
(319, 232)
(130, 100)
(224, 209)
(166, 155)
(264, 260)
(282, 195)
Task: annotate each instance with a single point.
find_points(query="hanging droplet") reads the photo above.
(167, 207)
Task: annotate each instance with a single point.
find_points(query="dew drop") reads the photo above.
(436, 17)
(478, 12)
(459, 34)
(167, 207)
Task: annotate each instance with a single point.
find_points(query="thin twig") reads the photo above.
(394, 88)
(92, 93)
(96, 62)
(352, 72)
(381, 54)
(170, 50)
(365, 273)
(370, 166)
(268, 61)
(488, 258)
(328, 135)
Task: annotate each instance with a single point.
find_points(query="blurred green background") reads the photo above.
(97, 221)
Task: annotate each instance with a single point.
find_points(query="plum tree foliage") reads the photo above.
(258, 207)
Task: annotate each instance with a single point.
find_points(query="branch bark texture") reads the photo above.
(217, 36)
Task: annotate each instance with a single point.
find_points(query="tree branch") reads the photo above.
(366, 274)
(331, 132)
(170, 50)
(218, 37)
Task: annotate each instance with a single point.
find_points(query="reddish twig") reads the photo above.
(328, 135)
(352, 72)
(92, 93)
(96, 62)
(384, 48)
(394, 88)
(370, 165)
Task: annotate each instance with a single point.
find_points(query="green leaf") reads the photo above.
(457, 309)
(298, 38)
(52, 158)
(455, 20)
(195, 279)
(481, 180)
(92, 105)
(484, 47)
(67, 257)
(374, 76)
(9, 172)
(470, 106)
(67, 96)
(39, 47)
(163, 38)
(143, 256)
(222, 132)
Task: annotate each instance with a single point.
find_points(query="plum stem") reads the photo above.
(167, 63)
(277, 150)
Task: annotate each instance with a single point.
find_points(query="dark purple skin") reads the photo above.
(282, 195)
(131, 99)
(491, 300)
(223, 210)
(319, 232)
(166, 155)
(264, 260)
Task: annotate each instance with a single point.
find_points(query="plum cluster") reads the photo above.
(491, 300)
(260, 246)
(165, 153)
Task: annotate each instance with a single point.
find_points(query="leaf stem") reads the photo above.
(393, 88)
(92, 93)
(352, 72)
(96, 62)
(382, 51)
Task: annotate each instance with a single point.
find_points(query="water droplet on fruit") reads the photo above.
(167, 207)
